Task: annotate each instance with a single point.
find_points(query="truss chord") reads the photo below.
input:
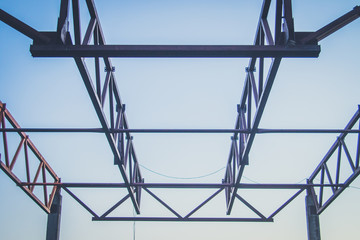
(184, 185)
(239, 130)
(174, 219)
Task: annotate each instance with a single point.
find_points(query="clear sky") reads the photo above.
(181, 93)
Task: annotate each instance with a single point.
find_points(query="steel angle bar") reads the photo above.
(80, 202)
(163, 203)
(286, 203)
(278, 21)
(266, 28)
(76, 19)
(252, 208)
(288, 23)
(89, 31)
(203, 203)
(115, 206)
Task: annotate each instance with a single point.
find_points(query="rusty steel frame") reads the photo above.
(43, 167)
(104, 94)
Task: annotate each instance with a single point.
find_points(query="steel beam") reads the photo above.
(23, 28)
(173, 51)
(185, 185)
(164, 130)
(174, 219)
(333, 26)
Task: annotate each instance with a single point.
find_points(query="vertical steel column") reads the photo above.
(53, 224)
(312, 217)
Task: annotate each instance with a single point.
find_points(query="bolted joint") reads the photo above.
(120, 107)
(112, 69)
(248, 69)
(357, 8)
(241, 109)
(3, 107)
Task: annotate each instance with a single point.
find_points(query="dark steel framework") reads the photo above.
(284, 42)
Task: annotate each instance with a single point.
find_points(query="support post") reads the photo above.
(312, 218)
(53, 224)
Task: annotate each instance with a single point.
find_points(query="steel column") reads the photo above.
(312, 218)
(54, 217)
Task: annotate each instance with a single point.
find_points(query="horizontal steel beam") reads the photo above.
(173, 51)
(185, 185)
(174, 219)
(164, 130)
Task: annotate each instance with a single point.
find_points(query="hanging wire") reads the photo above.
(174, 177)
(197, 177)
(358, 188)
(207, 175)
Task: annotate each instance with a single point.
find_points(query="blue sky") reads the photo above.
(181, 93)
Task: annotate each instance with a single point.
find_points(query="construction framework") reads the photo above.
(284, 42)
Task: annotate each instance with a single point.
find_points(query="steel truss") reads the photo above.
(284, 42)
(43, 168)
(337, 187)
